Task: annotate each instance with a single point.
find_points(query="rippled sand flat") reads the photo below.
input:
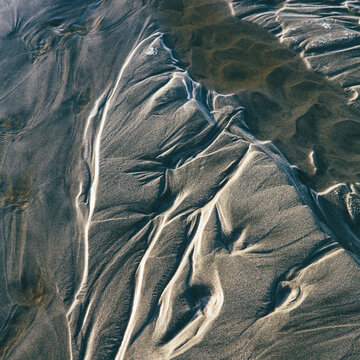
(179, 180)
(312, 120)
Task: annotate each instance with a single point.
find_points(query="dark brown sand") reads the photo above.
(311, 119)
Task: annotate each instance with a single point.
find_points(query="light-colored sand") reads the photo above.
(146, 214)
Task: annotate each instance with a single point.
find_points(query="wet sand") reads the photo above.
(178, 181)
(312, 120)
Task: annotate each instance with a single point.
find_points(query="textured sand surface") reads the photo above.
(179, 179)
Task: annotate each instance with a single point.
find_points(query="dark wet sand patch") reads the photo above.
(310, 119)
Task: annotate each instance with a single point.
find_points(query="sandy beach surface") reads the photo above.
(179, 179)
